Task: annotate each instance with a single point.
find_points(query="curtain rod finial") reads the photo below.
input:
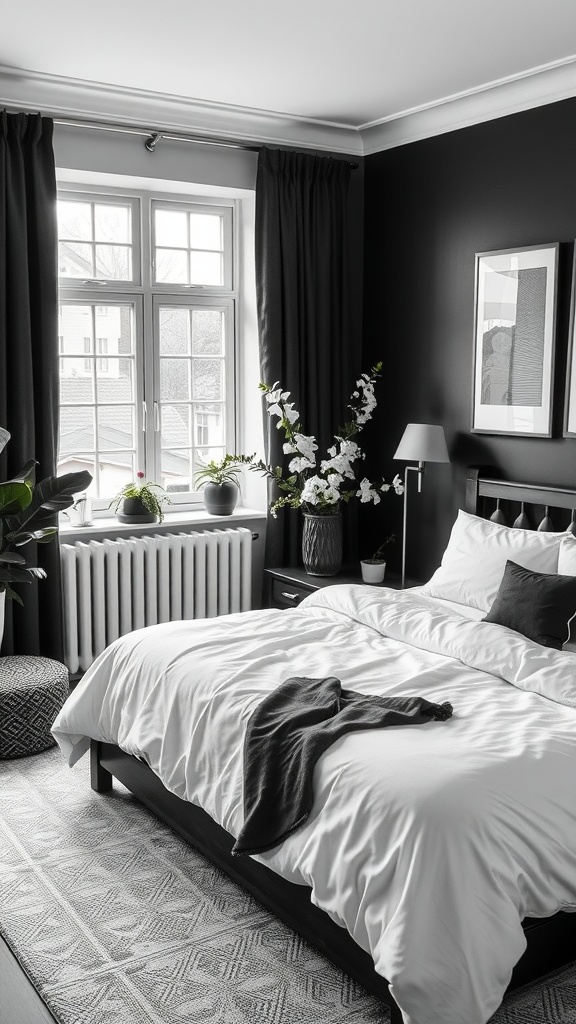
(152, 142)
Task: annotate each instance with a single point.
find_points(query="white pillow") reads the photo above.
(567, 555)
(474, 561)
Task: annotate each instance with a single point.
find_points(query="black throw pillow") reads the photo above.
(539, 605)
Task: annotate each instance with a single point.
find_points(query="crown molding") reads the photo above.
(77, 99)
(537, 87)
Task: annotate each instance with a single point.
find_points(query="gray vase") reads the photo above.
(322, 544)
(134, 511)
(220, 499)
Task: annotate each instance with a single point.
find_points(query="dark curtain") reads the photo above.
(29, 354)
(302, 288)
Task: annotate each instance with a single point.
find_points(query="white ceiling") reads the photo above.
(349, 63)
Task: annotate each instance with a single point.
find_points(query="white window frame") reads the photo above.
(146, 297)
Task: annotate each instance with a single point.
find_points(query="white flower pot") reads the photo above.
(372, 571)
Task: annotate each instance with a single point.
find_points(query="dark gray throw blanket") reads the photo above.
(286, 735)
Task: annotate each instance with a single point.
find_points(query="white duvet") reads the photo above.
(428, 843)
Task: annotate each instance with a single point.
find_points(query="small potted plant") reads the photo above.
(374, 569)
(140, 502)
(220, 483)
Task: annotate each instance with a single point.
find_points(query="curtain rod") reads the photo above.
(152, 138)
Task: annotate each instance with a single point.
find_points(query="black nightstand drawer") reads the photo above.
(286, 594)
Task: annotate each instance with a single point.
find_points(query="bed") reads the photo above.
(438, 866)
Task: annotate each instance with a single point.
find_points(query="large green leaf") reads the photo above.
(13, 557)
(15, 496)
(52, 495)
(40, 536)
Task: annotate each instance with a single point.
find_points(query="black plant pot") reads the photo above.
(220, 499)
(134, 511)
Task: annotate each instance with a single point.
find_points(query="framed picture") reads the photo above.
(570, 399)
(515, 326)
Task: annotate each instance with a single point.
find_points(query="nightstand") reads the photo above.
(285, 588)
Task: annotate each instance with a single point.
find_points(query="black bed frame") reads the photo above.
(551, 941)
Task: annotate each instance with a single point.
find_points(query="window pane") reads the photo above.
(75, 259)
(115, 379)
(112, 223)
(176, 470)
(76, 381)
(207, 379)
(207, 332)
(116, 469)
(205, 231)
(74, 325)
(174, 331)
(175, 380)
(208, 425)
(205, 268)
(77, 430)
(74, 221)
(175, 426)
(171, 228)
(116, 427)
(171, 266)
(114, 262)
(115, 323)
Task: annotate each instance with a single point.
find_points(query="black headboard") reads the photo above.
(528, 506)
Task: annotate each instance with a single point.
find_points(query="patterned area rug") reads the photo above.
(118, 921)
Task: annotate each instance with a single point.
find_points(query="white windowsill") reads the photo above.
(172, 521)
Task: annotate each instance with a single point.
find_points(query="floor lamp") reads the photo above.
(421, 442)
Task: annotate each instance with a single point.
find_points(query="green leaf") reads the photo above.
(54, 494)
(15, 495)
(12, 557)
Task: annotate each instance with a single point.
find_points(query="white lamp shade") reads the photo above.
(423, 442)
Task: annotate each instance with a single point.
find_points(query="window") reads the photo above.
(146, 371)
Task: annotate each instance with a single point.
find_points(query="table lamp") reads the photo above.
(421, 442)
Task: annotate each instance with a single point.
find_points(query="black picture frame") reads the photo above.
(515, 298)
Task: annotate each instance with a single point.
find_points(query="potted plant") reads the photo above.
(25, 504)
(320, 487)
(220, 483)
(374, 569)
(140, 502)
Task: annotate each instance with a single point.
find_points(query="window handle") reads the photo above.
(156, 417)
(103, 283)
(144, 416)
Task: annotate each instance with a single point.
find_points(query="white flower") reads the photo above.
(306, 446)
(367, 492)
(289, 448)
(385, 487)
(398, 485)
(290, 413)
(300, 464)
(276, 395)
(317, 491)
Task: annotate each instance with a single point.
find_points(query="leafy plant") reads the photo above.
(226, 470)
(24, 503)
(378, 555)
(152, 496)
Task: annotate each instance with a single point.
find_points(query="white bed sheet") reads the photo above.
(429, 844)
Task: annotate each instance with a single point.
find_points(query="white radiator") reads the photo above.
(111, 587)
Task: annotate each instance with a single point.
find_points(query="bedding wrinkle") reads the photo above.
(427, 844)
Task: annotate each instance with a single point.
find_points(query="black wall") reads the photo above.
(429, 207)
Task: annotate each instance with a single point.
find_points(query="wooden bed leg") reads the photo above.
(100, 778)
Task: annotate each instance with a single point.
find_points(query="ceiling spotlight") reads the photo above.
(152, 142)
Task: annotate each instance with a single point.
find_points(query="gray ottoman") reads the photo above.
(32, 691)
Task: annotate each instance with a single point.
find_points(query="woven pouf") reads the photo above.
(32, 691)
